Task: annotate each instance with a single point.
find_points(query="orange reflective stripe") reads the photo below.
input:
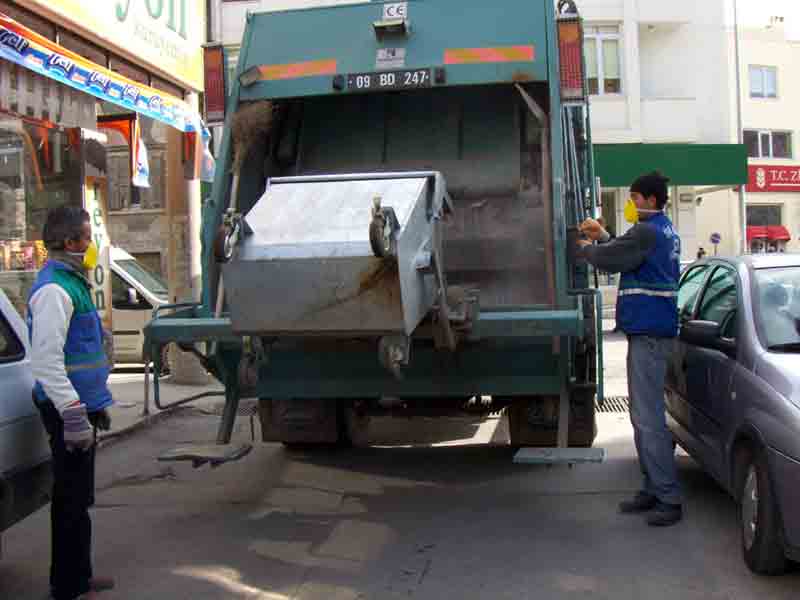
(297, 70)
(462, 56)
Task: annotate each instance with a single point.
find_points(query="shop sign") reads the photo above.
(166, 35)
(100, 276)
(773, 178)
(32, 51)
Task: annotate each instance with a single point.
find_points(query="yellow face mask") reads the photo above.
(631, 212)
(91, 257)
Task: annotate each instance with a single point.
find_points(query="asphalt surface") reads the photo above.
(453, 518)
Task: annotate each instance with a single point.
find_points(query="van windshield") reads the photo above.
(150, 281)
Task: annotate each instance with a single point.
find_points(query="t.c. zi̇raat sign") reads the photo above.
(773, 178)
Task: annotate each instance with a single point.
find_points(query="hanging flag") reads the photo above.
(127, 125)
(209, 163)
(141, 173)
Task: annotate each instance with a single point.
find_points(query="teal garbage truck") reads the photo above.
(392, 224)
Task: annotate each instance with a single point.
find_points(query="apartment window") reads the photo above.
(763, 82)
(768, 144)
(603, 62)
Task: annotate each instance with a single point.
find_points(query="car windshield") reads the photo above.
(150, 281)
(778, 313)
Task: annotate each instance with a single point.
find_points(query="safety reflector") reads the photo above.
(310, 68)
(570, 49)
(464, 56)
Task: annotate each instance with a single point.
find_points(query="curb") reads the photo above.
(112, 437)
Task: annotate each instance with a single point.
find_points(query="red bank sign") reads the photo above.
(773, 178)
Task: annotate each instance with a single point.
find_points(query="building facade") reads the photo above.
(771, 123)
(57, 79)
(660, 80)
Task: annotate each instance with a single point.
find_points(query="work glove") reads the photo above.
(593, 230)
(102, 420)
(78, 432)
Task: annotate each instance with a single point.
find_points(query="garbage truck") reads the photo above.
(391, 227)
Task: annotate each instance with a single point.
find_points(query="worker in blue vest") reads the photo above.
(648, 257)
(70, 361)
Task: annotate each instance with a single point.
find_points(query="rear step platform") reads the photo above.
(200, 454)
(559, 456)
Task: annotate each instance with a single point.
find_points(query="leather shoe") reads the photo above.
(664, 515)
(641, 502)
(101, 584)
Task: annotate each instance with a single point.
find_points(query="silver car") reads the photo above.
(25, 474)
(733, 393)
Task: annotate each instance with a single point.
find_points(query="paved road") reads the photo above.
(452, 521)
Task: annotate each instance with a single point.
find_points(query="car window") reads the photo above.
(690, 288)
(11, 349)
(119, 291)
(720, 300)
(777, 307)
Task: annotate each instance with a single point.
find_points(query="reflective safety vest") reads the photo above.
(647, 303)
(85, 358)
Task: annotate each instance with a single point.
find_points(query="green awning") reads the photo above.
(617, 165)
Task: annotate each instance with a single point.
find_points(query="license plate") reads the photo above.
(389, 80)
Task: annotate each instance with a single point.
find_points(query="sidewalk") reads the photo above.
(127, 413)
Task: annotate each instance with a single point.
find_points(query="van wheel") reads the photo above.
(759, 518)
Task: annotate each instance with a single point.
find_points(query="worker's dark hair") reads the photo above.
(63, 223)
(652, 184)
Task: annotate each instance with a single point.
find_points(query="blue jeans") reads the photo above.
(647, 368)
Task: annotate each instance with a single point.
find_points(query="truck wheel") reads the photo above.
(352, 423)
(759, 517)
(533, 421)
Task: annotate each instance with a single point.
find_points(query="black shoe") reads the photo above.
(642, 502)
(664, 515)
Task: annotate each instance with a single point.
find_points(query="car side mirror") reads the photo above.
(133, 297)
(707, 334)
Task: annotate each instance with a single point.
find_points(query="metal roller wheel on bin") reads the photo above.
(759, 516)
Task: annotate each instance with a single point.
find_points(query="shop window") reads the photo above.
(603, 61)
(123, 195)
(768, 144)
(763, 222)
(763, 82)
(764, 216)
(39, 169)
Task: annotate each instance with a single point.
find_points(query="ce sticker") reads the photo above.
(395, 10)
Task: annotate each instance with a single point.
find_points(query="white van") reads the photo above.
(135, 292)
(25, 475)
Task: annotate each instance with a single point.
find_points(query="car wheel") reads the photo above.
(759, 518)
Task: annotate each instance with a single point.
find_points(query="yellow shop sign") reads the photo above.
(167, 35)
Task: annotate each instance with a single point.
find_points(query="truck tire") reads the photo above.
(314, 423)
(533, 421)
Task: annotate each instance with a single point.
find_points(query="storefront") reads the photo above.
(64, 66)
(773, 208)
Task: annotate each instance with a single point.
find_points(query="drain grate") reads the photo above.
(614, 404)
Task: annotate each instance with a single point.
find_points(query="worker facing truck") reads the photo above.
(648, 256)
